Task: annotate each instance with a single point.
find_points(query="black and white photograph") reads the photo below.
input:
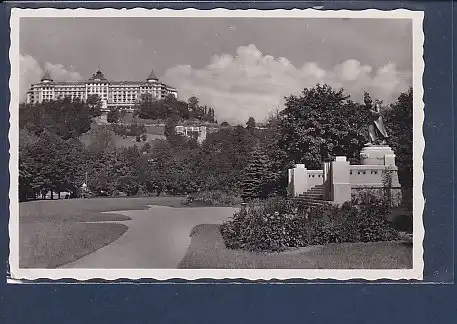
(161, 144)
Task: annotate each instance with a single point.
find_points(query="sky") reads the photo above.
(241, 67)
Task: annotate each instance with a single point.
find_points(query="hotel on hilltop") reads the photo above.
(114, 94)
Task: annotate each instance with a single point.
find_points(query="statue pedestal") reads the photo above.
(377, 155)
(384, 157)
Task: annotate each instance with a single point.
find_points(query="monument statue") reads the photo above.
(376, 130)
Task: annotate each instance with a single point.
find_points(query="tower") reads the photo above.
(152, 77)
(46, 77)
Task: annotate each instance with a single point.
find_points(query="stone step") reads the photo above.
(314, 192)
(312, 197)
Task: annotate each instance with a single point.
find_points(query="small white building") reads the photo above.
(198, 132)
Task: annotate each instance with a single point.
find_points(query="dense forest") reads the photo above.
(313, 127)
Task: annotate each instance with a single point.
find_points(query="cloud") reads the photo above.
(31, 72)
(253, 84)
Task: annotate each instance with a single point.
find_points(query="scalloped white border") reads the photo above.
(416, 272)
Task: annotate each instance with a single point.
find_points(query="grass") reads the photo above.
(55, 232)
(50, 245)
(207, 250)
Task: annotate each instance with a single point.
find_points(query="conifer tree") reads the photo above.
(257, 175)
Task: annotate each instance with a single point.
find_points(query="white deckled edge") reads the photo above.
(243, 274)
(418, 144)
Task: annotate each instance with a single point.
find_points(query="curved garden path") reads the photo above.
(156, 238)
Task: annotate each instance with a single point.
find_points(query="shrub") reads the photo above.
(279, 223)
(269, 225)
(213, 198)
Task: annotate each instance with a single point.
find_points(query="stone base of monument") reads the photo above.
(384, 157)
(377, 155)
(341, 180)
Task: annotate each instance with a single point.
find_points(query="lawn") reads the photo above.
(50, 245)
(207, 251)
(55, 232)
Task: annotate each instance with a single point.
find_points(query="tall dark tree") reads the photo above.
(250, 124)
(399, 123)
(195, 111)
(320, 124)
(222, 157)
(257, 176)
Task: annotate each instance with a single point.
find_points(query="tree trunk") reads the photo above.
(52, 194)
(58, 195)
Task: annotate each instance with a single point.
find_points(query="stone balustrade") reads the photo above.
(340, 180)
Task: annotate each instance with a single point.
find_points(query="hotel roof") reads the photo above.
(99, 77)
(152, 76)
(46, 76)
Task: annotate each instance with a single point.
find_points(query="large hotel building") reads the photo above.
(114, 94)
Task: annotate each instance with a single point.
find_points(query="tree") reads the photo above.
(148, 107)
(49, 163)
(195, 111)
(320, 124)
(170, 128)
(64, 117)
(102, 172)
(29, 184)
(94, 105)
(399, 124)
(128, 169)
(225, 124)
(257, 176)
(222, 157)
(113, 116)
(156, 177)
(100, 139)
(250, 123)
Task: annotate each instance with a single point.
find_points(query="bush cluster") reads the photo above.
(213, 198)
(276, 224)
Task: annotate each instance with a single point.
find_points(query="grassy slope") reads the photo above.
(207, 251)
(52, 233)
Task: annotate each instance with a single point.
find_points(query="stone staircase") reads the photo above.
(313, 197)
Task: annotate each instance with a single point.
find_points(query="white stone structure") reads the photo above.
(192, 131)
(339, 180)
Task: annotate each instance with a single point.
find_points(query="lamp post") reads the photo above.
(84, 186)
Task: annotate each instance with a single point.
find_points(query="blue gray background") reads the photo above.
(356, 302)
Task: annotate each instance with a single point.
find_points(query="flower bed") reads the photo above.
(278, 223)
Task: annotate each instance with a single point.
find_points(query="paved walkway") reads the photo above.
(156, 238)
